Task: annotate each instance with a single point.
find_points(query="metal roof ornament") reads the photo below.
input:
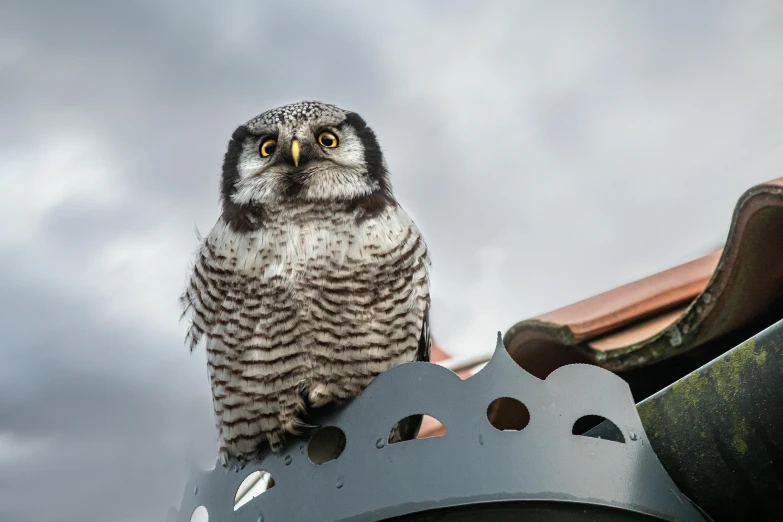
(541, 470)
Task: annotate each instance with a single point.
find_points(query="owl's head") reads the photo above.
(307, 151)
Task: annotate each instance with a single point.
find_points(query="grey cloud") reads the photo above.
(115, 432)
(153, 82)
(548, 153)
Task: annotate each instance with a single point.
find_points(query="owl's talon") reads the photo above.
(232, 462)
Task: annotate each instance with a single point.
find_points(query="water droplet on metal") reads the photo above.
(288, 460)
(260, 517)
(301, 450)
(195, 490)
(633, 435)
(380, 443)
(340, 482)
(481, 439)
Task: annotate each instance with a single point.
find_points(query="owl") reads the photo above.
(312, 281)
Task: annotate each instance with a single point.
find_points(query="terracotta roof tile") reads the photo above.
(671, 312)
(607, 312)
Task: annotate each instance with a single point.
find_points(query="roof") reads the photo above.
(671, 312)
(659, 328)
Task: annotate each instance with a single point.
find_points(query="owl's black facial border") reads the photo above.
(230, 162)
(241, 218)
(372, 205)
(373, 157)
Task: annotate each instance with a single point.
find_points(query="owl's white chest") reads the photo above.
(289, 249)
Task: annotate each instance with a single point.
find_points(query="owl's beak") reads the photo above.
(295, 151)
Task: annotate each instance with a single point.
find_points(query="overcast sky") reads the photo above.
(548, 151)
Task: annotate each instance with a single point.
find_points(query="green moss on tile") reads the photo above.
(740, 434)
(760, 358)
(729, 372)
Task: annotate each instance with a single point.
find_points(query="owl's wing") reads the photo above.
(408, 428)
(425, 342)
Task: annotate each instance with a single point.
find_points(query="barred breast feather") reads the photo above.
(304, 311)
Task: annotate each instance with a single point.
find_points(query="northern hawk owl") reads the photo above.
(311, 283)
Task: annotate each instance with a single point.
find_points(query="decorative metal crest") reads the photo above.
(473, 463)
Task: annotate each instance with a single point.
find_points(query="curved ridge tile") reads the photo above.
(671, 312)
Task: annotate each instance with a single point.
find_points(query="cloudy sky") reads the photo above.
(547, 151)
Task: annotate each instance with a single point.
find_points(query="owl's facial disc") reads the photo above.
(329, 156)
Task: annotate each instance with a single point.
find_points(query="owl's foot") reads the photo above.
(298, 427)
(276, 441)
(232, 462)
(320, 395)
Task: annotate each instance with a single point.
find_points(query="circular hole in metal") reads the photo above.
(416, 426)
(200, 514)
(431, 427)
(597, 427)
(508, 414)
(326, 444)
(253, 485)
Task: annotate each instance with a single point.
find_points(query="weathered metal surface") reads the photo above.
(473, 467)
(719, 431)
(526, 512)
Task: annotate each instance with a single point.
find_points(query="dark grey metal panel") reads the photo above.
(719, 430)
(472, 464)
(527, 512)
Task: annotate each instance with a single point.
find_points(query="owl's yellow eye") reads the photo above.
(268, 148)
(327, 139)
